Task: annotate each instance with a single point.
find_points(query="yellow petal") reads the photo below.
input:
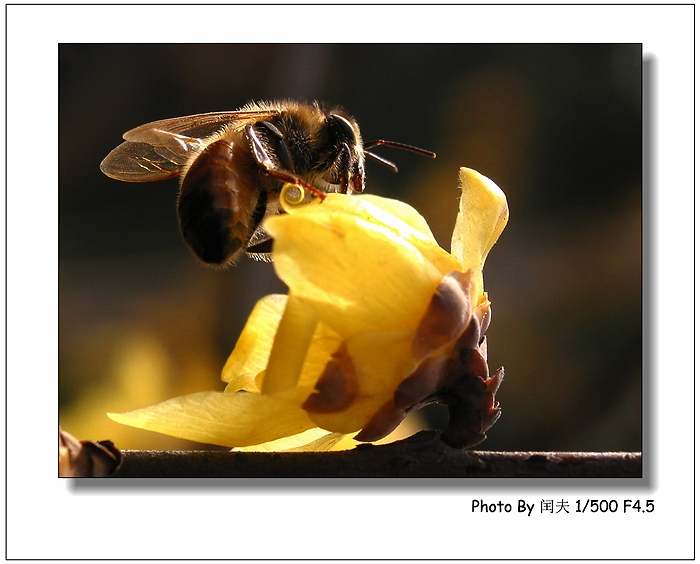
(227, 419)
(483, 214)
(352, 419)
(252, 351)
(313, 440)
(400, 210)
(381, 360)
(422, 238)
(358, 273)
(324, 343)
(290, 346)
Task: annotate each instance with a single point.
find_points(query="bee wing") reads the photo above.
(198, 125)
(148, 161)
(260, 244)
(161, 149)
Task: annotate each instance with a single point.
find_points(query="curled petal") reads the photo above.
(483, 214)
(252, 351)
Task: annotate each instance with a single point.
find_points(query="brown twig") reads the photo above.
(420, 456)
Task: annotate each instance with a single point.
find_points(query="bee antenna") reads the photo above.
(397, 145)
(380, 160)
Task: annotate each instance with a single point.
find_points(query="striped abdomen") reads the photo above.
(220, 202)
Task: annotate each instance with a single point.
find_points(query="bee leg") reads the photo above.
(344, 159)
(263, 159)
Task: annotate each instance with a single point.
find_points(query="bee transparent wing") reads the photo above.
(146, 162)
(161, 149)
(260, 244)
(198, 125)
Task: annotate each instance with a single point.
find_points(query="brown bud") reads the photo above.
(85, 459)
(472, 407)
(493, 383)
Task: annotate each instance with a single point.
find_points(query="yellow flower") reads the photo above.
(379, 321)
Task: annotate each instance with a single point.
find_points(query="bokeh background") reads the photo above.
(558, 127)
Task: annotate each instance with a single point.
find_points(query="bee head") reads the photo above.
(350, 158)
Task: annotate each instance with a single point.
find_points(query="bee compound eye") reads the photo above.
(345, 127)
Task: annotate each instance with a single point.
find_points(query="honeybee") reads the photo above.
(233, 165)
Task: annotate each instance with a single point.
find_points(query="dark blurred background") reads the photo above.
(557, 127)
